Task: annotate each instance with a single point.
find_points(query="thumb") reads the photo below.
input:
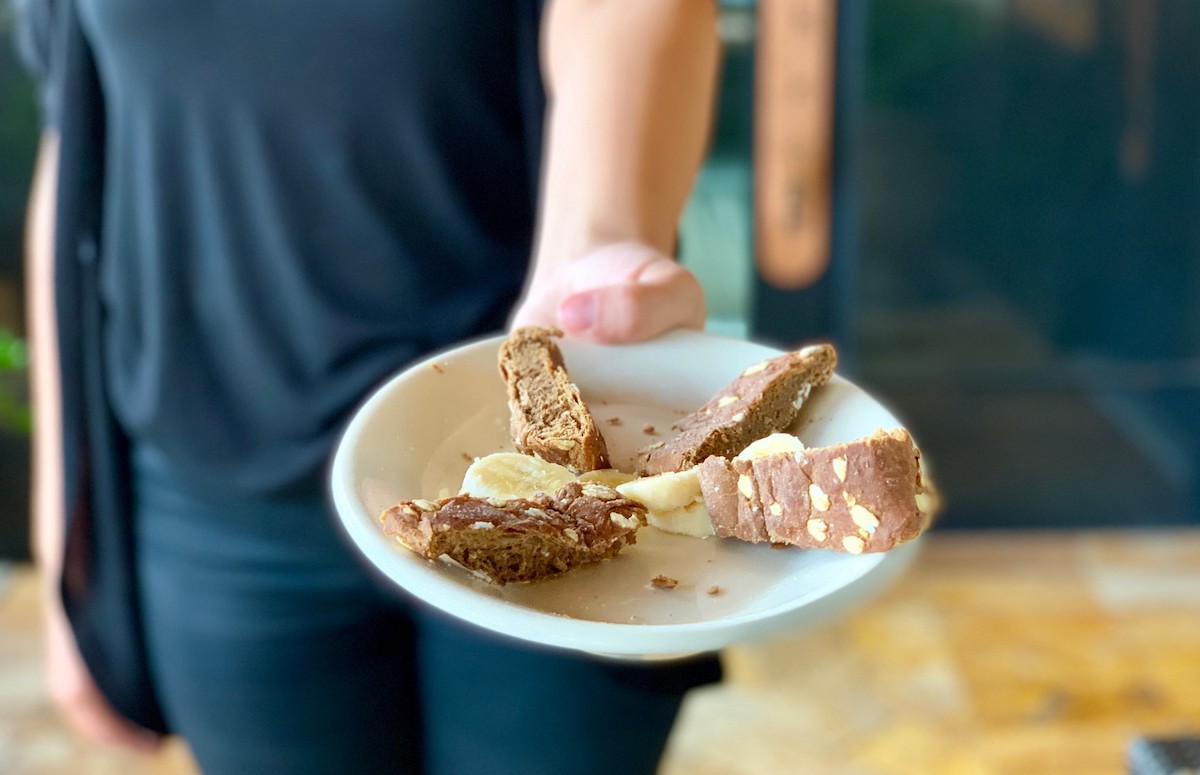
(660, 297)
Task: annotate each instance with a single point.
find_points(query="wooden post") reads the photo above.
(793, 139)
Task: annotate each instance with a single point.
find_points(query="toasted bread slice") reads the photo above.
(766, 398)
(522, 539)
(548, 416)
(860, 496)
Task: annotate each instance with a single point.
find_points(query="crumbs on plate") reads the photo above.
(664, 582)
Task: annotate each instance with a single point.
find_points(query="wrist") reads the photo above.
(575, 224)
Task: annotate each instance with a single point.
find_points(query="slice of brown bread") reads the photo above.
(547, 415)
(861, 496)
(524, 539)
(766, 398)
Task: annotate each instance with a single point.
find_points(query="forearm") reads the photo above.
(70, 683)
(47, 495)
(631, 90)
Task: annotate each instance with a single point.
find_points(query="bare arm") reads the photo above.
(71, 686)
(631, 90)
(45, 387)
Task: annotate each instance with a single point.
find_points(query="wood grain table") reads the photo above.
(996, 654)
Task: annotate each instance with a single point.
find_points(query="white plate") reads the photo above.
(415, 436)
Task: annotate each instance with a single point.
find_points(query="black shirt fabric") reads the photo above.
(262, 210)
(299, 197)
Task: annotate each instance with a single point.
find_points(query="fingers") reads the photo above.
(79, 699)
(622, 292)
(536, 309)
(92, 717)
(661, 296)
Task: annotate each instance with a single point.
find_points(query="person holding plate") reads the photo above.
(244, 217)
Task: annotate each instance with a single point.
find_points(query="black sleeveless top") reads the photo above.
(262, 209)
(299, 197)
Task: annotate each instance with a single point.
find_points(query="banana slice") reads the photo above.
(609, 477)
(673, 502)
(508, 475)
(663, 492)
(690, 520)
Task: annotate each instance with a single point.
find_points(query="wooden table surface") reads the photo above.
(997, 653)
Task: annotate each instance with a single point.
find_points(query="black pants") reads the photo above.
(274, 651)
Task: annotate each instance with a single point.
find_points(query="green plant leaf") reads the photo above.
(14, 415)
(14, 354)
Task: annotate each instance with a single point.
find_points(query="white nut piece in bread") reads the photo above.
(773, 444)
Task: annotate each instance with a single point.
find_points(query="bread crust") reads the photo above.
(765, 398)
(523, 539)
(856, 497)
(548, 417)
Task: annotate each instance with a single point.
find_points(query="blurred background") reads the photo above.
(1014, 242)
(18, 139)
(991, 207)
(1007, 197)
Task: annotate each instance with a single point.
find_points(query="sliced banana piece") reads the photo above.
(508, 475)
(673, 501)
(609, 477)
(663, 492)
(689, 520)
